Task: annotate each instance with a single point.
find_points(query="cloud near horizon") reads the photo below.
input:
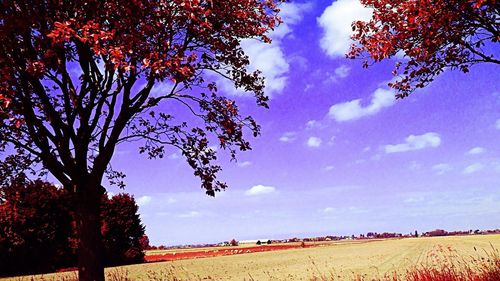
(190, 214)
(353, 110)
(144, 200)
(415, 142)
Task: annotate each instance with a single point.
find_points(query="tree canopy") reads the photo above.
(38, 229)
(76, 80)
(431, 35)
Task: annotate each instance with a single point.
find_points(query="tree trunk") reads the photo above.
(90, 245)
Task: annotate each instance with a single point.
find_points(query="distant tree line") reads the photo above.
(38, 229)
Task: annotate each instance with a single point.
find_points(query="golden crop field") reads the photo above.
(341, 260)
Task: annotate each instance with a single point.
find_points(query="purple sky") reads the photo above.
(337, 154)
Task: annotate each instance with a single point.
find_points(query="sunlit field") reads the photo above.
(341, 260)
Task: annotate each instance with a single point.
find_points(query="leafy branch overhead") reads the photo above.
(432, 35)
(121, 49)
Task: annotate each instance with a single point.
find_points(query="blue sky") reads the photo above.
(338, 154)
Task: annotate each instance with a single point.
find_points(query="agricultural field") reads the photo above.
(341, 260)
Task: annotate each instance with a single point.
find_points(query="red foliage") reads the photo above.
(121, 230)
(432, 35)
(37, 229)
(144, 241)
(71, 123)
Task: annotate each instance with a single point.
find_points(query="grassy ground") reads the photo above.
(342, 260)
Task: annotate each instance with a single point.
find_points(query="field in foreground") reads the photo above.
(342, 260)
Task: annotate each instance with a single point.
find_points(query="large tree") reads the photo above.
(431, 35)
(72, 123)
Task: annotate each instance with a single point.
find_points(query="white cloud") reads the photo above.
(308, 87)
(342, 71)
(329, 168)
(336, 23)
(356, 210)
(144, 200)
(414, 142)
(476, 150)
(496, 166)
(291, 14)
(191, 214)
(332, 140)
(497, 124)
(414, 166)
(414, 199)
(441, 168)
(269, 58)
(161, 88)
(288, 137)
(244, 164)
(174, 156)
(314, 142)
(328, 210)
(170, 201)
(476, 167)
(353, 110)
(311, 124)
(260, 190)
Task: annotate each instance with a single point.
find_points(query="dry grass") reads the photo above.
(441, 264)
(404, 259)
(446, 264)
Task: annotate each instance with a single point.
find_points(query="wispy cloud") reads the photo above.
(414, 199)
(314, 142)
(353, 110)
(441, 168)
(331, 141)
(314, 124)
(174, 156)
(328, 210)
(497, 124)
(336, 23)
(329, 168)
(260, 190)
(415, 142)
(191, 214)
(414, 166)
(244, 164)
(342, 71)
(288, 137)
(473, 168)
(476, 150)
